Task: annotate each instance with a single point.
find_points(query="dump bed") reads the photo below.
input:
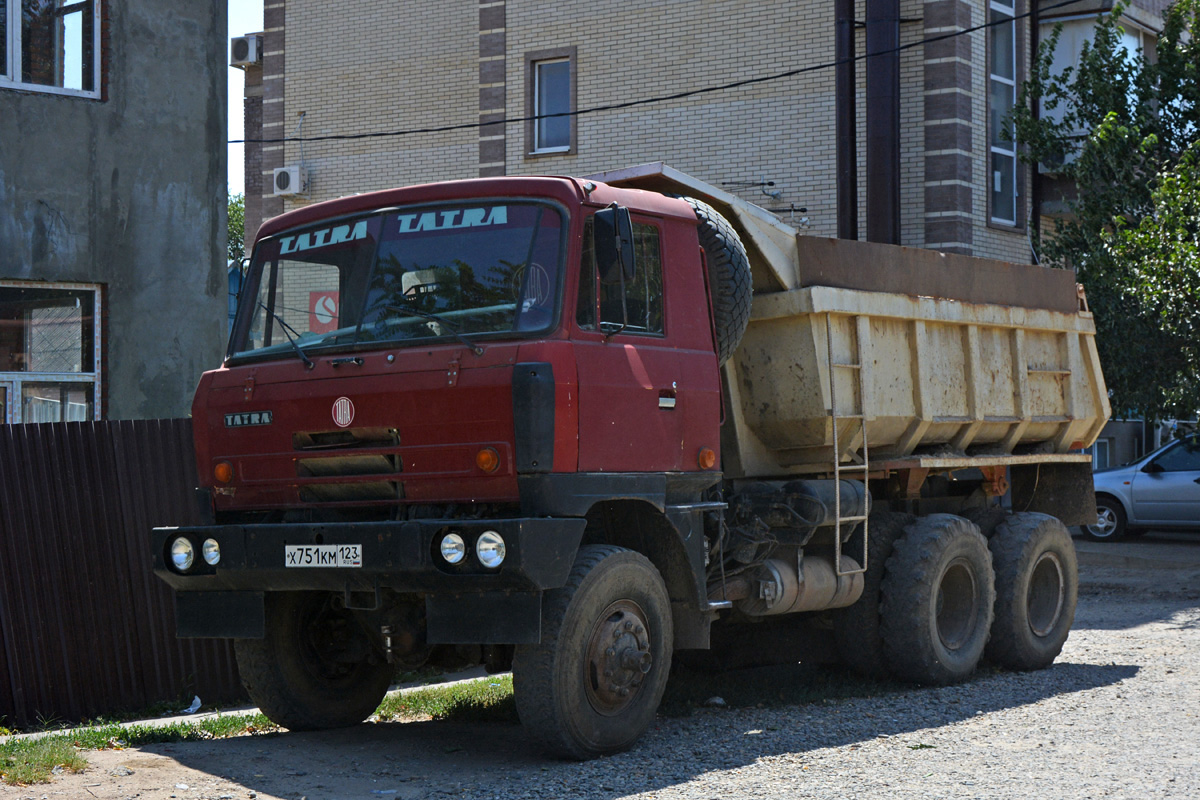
(950, 361)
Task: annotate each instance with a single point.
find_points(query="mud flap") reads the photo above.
(484, 618)
(219, 615)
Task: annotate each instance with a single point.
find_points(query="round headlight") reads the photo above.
(211, 551)
(182, 554)
(490, 549)
(454, 549)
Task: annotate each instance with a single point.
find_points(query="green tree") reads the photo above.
(1163, 251)
(237, 226)
(1119, 128)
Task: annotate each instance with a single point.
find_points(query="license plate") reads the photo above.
(322, 555)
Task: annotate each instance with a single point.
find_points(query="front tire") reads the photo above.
(593, 684)
(938, 596)
(315, 668)
(1037, 586)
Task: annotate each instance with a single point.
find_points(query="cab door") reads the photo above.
(630, 418)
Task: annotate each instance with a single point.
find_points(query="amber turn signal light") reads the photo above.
(487, 460)
(223, 472)
(707, 458)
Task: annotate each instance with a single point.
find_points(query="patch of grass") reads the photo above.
(420, 675)
(219, 727)
(32, 760)
(484, 700)
(791, 684)
(35, 762)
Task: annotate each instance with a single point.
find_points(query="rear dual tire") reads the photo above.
(938, 594)
(1037, 586)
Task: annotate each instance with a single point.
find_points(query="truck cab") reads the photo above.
(450, 344)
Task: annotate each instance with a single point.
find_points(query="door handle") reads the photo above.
(1196, 481)
(666, 397)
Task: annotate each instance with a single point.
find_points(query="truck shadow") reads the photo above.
(422, 759)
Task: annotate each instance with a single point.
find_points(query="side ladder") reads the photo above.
(860, 466)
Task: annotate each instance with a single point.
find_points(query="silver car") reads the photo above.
(1161, 490)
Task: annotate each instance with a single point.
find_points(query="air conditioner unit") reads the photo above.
(290, 180)
(245, 50)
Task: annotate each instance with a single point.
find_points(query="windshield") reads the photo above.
(467, 269)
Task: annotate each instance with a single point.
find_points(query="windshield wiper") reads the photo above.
(286, 328)
(476, 349)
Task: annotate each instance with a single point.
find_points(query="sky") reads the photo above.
(245, 16)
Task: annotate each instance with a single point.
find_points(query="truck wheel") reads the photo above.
(856, 628)
(594, 683)
(728, 277)
(1037, 585)
(938, 595)
(313, 669)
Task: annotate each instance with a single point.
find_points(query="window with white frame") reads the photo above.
(1100, 453)
(551, 86)
(50, 46)
(1002, 96)
(49, 352)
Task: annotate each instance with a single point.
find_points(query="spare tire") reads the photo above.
(728, 277)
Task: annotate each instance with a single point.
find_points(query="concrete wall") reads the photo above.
(129, 191)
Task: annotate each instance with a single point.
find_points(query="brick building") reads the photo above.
(332, 70)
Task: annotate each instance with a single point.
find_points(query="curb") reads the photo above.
(464, 676)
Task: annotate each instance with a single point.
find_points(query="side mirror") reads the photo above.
(613, 235)
(1153, 467)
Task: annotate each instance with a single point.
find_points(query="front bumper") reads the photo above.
(464, 603)
(401, 556)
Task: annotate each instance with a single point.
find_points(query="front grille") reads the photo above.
(326, 458)
(346, 439)
(352, 492)
(334, 466)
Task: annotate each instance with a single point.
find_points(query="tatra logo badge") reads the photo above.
(343, 412)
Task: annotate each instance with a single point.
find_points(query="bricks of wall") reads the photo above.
(382, 67)
(273, 124)
(491, 87)
(949, 87)
(428, 64)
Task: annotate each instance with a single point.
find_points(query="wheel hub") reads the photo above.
(1046, 595)
(957, 604)
(1106, 522)
(618, 657)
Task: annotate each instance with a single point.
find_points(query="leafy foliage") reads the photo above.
(1163, 251)
(237, 226)
(1118, 128)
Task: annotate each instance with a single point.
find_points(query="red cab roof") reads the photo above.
(570, 191)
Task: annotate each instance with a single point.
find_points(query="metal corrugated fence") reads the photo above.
(85, 626)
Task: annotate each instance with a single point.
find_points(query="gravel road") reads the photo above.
(1115, 717)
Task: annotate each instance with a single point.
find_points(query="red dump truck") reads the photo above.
(571, 426)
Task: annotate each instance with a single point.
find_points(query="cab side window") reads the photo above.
(641, 311)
